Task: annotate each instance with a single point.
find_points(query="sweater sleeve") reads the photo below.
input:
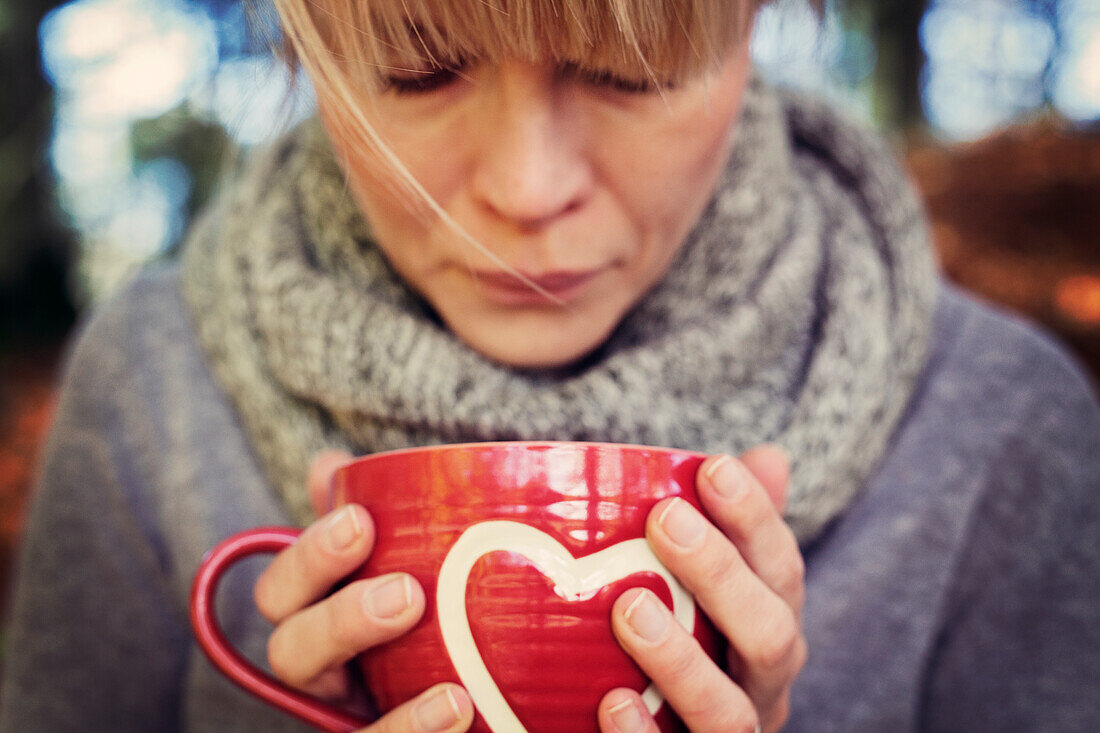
(94, 640)
(1019, 641)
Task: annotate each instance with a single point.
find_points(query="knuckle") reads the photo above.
(720, 568)
(331, 684)
(801, 654)
(778, 643)
(273, 590)
(711, 710)
(754, 517)
(780, 712)
(745, 724)
(281, 657)
(792, 575)
(344, 623)
(308, 557)
(682, 659)
(262, 596)
(738, 719)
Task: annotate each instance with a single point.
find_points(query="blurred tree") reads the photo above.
(202, 146)
(894, 28)
(35, 252)
(36, 309)
(1048, 11)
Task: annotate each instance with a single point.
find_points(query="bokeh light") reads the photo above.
(116, 60)
(1077, 89)
(116, 63)
(985, 63)
(795, 48)
(990, 62)
(1078, 299)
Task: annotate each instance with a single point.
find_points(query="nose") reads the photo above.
(532, 168)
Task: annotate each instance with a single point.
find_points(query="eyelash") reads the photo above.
(421, 82)
(600, 78)
(437, 78)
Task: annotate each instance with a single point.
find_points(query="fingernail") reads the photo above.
(726, 477)
(682, 523)
(438, 712)
(389, 597)
(626, 716)
(343, 529)
(648, 617)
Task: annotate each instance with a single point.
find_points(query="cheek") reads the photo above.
(665, 171)
(436, 149)
(429, 152)
(663, 178)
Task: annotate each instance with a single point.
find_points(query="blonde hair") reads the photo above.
(664, 38)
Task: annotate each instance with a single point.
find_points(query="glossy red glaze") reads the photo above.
(551, 657)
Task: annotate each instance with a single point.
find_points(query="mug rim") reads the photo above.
(631, 447)
(440, 447)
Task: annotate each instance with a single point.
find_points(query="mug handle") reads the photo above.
(228, 660)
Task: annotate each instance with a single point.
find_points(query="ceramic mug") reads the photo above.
(521, 549)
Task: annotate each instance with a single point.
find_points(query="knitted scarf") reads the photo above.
(798, 312)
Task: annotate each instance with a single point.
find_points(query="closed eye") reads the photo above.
(610, 80)
(421, 81)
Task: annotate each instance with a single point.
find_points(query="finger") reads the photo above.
(326, 552)
(741, 507)
(704, 697)
(772, 468)
(763, 630)
(324, 636)
(622, 711)
(319, 481)
(445, 708)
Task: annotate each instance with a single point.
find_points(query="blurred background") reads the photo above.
(118, 116)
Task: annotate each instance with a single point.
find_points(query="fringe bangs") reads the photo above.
(664, 40)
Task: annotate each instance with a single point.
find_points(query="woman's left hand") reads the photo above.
(746, 573)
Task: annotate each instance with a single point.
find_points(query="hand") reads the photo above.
(317, 633)
(746, 573)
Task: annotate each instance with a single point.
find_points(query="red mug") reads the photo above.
(521, 549)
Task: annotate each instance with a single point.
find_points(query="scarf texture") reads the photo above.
(798, 312)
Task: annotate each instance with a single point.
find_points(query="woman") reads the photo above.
(572, 220)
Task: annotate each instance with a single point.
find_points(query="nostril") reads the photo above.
(534, 218)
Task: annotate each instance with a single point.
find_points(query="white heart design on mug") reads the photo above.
(574, 579)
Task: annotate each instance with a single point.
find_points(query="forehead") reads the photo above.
(663, 37)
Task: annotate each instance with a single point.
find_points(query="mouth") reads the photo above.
(508, 289)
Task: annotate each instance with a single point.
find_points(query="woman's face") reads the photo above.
(587, 184)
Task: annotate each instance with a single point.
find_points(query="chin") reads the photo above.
(531, 349)
(534, 357)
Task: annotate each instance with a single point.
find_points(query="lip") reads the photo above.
(507, 289)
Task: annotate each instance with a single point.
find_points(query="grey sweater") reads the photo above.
(959, 592)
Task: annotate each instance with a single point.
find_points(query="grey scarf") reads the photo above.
(798, 312)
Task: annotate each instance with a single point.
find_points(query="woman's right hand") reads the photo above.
(318, 632)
